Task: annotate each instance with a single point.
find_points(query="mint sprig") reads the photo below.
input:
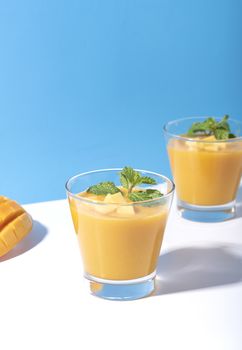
(220, 129)
(130, 178)
(144, 195)
(103, 188)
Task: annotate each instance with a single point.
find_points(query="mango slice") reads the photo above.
(116, 198)
(206, 146)
(109, 208)
(126, 210)
(15, 224)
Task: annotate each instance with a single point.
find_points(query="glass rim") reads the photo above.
(186, 138)
(163, 177)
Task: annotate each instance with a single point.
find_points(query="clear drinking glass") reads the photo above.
(206, 173)
(119, 243)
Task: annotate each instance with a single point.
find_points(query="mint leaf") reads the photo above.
(221, 134)
(139, 196)
(129, 178)
(103, 188)
(220, 129)
(124, 181)
(147, 180)
(223, 124)
(144, 195)
(154, 193)
(202, 127)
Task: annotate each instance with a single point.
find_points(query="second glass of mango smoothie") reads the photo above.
(206, 160)
(119, 216)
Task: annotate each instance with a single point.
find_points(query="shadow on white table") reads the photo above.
(199, 267)
(37, 235)
(192, 268)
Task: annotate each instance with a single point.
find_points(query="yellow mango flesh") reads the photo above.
(15, 224)
(120, 244)
(206, 172)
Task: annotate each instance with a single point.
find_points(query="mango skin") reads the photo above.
(15, 224)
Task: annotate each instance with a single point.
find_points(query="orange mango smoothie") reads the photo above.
(118, 240)
(206, 172)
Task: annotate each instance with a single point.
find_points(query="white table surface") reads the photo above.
(44, 303)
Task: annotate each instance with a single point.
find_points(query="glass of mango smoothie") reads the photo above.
(206, 161)
(119, 217)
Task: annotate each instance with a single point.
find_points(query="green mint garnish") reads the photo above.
(147, 180)
(144, 195)
(130, 178)
(221, 134)
(104, 188)
(220, 129)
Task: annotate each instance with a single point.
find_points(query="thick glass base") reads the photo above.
(201, 213)
(122, 290)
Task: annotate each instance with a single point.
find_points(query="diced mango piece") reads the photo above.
(125, 210)
(211, 138)
(200, 145)
(116, 198)
(105, 209)
(112, 202)
(191, 144)
(214, 146)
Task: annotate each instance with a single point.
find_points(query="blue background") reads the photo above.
(89, 84)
